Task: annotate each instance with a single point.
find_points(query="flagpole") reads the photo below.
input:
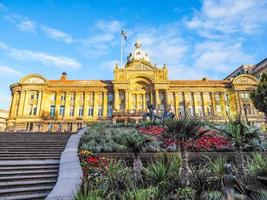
(121, 48)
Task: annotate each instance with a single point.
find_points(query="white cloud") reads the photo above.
(48, 59)
(9, 71)
(56, 34)
(109, 26)
(220, 57)
(23, 23)
(27, 26)
(229, 16)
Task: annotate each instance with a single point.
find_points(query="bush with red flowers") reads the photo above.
(152, 130)
(209, 141)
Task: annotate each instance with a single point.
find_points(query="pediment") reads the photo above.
(139, 66)
(33, 79)
(245, 80)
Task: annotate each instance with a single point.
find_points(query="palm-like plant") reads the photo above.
(86, 193)
(258, 164)
(140, 194)
(240, 134)
(163, 173)
(136, 143)
(184, 130)
(216, 168)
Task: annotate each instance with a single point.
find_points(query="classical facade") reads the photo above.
(39, 104)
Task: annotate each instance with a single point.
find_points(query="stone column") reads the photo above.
(176, 99)
(166, 100)
(40, 99)
(116, 100)
(13, 108)
(25, 104)
(21, 102)
(157, 98)
(126, 93)
(95, 105)
(86, 104)
(222, 104)
(238, 104)
(76, 104)
(105, 104)
(213, 104)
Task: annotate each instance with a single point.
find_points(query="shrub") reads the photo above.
(186, 193)
(258, 164)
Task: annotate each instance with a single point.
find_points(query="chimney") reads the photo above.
(64, 76)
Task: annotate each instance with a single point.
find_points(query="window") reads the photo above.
(34, 110)
(62, 97)
(147, 97)
(79, 125)
(217, 97)
(242, 95)
(110, 97)
(100, 111)
(226, 97)
(181, 97)
(50, 127)
(32, 96)
(190, 110)
(200, 111)
(81, 111)
(181, 111)
(91, 97)
(71, 110)
(100, 97)
(109, 110)
(53, 96)
(72, 97)
(246, 95)
(52, 110)
(69, 127)
(189, 97)
(81, 97)
(209, 110)
(227, 109)
(198, 97)
(61, 110)
(170, 97)
(90, 111)
(30, 109)
(59, 127)
(121, 107)
(172, 108)
(218, 108)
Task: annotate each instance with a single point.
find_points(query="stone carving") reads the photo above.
(34, 80)
(244, 80)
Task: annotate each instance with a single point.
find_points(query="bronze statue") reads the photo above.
(153, 116)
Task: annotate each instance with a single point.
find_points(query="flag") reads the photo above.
(124, 34)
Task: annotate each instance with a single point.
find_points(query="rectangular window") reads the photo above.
(34, 109)
(52, 110)
(226, 97)
(181, 111)
(218, 109)
(100, 111)
(71, 110)
(217, 97)
(189, 97)
(69, 127)
(61, 110)
(32, 96)
(227, 109)
(191, 110)
(62, 97)
(110, 111)
(53, 96)
(30, 109)
(81, 111)
(90, 111)
(200, 111)
(181, 97)
(91, 97)
(72, 97)
(100, 97)
(110, 97)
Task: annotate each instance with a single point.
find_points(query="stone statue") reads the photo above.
(153, 116)
(230, 182)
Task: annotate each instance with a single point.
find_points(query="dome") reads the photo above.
(138, 53)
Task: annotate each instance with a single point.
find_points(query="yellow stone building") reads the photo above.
(39, 104)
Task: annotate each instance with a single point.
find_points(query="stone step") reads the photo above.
(35, 196)
(12, 191)
(18, 183)
(4, 163)
(26, 172)
(19, 148)
(5, 154)
(30, 158)
(33, 167)
(30, 176)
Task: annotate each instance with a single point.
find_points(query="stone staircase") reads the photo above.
(29, 164)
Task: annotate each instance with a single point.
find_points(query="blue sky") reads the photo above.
(196, 39)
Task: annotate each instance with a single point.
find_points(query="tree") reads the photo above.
(259, 95)
(184, 130)
(136, 144)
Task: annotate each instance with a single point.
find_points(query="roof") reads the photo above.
(200, 82)
(80, 82)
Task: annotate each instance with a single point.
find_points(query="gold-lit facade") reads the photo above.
(39, 104)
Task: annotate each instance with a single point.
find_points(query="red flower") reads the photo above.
(92, 160)
(151, 130)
